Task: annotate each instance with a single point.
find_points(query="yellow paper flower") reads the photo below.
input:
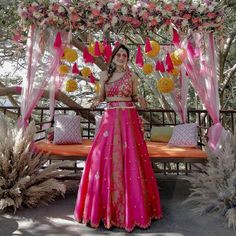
(63, 69)
(155, 49)
(86, 72)
(147, 68)
(71, 85)
(97, 88)
(175, 71)
(165, 85)
(176, 58)
(70, 55)
(91, 48)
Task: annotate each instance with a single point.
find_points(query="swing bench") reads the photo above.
(181, 157)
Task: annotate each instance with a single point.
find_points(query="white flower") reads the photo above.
(61, 9)
(34, 4)
(110, 5)
(195, 5)
(134, 9)
(71, 8)
(157, 19)
(37, 14)
(124, 10)
(50, 14)
(114, 20)
(106, 27)
(211, 8)
(184, 22)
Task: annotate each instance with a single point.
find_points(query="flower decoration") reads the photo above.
(63, 69)
(97, 87)
(175, 71)
(113, 15)
(86, 71)
(165, 85)
(70, 55)
(93, 52)
(71, 85)
(176, 58)
(147, 68)
(155, 49)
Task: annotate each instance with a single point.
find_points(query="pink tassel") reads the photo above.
(139, 57)
(75, 69)
(148, 46)
(160, 66)
(97, 51)
(92, 79)
(169, 63)
(176, 39)
(107, 52)
(88, 58)
(58, 42)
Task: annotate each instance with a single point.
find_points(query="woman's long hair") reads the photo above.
(111, 66)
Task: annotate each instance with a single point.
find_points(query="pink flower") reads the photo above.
(74, 17)
(55, 7)
(211, 15)
(168, 7)
(187, 16)
(153, 22)
(136, 23)
(151, 6)
(145, 15)
(118, 6)
(95, 12)
(168, 21)
(181, 6)
(195, 19)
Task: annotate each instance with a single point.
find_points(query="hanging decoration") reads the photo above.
(155, 49)
(75, 69)
(86, 72)
(63, 69)
(165, 85)
(147, 68)
(160, 66)
(139, 57)
(71, 85)
(70, 55)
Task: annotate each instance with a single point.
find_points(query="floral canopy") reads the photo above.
(192, 23)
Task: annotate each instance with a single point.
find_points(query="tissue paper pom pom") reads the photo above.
(165, 85)
(86, 72)
(70, 55)
(155, 49)
(175, 71)
(147, 68)
(63, 69)
(71, 85)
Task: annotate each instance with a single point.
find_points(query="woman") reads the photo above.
(118, 185)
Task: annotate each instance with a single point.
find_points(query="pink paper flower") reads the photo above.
(95, 12)
(168, 7)
(181, 6)
(211, 15)
(187, 16)
(195, 20)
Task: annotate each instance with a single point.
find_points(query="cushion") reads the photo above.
(161, 133)
(98, 119)
(184, 135)
(67, 130)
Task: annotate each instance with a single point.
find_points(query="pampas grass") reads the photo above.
(25, 180)
(214, 189)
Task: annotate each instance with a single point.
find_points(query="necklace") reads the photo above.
(120, 70)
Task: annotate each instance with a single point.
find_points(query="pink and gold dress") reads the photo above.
(118, 185)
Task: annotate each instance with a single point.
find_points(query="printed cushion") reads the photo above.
(184, 135)
(67, 130)
(98, 119)
(161, 133)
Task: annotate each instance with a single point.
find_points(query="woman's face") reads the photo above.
(121, 57)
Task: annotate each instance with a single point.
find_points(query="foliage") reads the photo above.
(214, 189)
(23, 182)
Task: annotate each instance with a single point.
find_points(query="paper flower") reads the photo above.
(155, 49)
(165, 85)
(176, 58)
(63, 69)
(91, 49)
(70, 55)
(71, 85)
(175, 71)
(147, 68)
(86, 72)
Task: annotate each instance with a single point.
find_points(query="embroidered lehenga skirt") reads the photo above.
(118, 185)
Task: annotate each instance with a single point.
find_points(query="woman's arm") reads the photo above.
(135, 96)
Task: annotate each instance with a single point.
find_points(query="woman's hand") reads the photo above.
(142, 102)
(94, 104)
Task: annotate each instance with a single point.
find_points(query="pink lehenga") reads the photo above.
(118, 185)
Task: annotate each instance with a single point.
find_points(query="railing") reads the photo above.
(152, 117)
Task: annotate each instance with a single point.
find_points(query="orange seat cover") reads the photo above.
(155, 150)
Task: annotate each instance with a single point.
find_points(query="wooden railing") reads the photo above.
(152, 117)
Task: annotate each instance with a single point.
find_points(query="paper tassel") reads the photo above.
(91, 79)
(58, 42)
(107, 52)
(176, 39)
(75, 69)
(160, 66)
(148, 46)
(169, 63)
(139, 57)
(97, 51)
(88, 58)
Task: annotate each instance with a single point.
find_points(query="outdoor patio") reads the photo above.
(57, 218)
